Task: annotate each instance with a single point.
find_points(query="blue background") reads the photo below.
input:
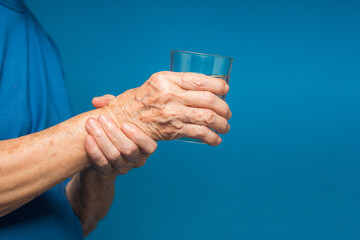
(288, 169)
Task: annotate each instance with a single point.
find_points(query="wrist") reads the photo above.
(118, 110)
(123, 108)
(128, 107)
(115, 114)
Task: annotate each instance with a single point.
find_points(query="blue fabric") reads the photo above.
(33, 97)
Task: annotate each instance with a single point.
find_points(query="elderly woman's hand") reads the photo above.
(171, 105)
(113, 150)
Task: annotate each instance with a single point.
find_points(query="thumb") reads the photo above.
(99, 102)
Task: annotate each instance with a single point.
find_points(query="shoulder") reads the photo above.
(13, 5)
(12, 28)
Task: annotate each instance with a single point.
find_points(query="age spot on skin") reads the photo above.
(51, 143)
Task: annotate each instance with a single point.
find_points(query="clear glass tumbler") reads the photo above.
(208, 64)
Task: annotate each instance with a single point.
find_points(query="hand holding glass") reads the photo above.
(211, 65)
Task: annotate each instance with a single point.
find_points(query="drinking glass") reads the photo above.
(208, 64)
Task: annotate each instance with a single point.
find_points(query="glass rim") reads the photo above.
(206, 54)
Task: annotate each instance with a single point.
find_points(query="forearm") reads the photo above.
(91, 195)
(32, 164)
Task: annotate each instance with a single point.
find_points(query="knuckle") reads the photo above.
(101, 163)
(198, 82)
(129, 150)
(209, 117)
(168, 95)
(224, 128)
(109, 126)
(169, 133)
(140, 164)
(114, 155)
(169, 113)
(154, 81)
(195, 80)
(160, 81)
(159, 75)
(176, 125)
(209, 98)
(201, 131)
(155, 75)
(94, 155)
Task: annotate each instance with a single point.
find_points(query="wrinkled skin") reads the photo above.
(167, 106)
(172, 105)
(113, 150)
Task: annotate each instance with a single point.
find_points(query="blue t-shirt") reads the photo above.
(32, 97)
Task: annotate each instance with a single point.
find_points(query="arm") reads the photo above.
(167, 106)
(91, 195)
(34, 163)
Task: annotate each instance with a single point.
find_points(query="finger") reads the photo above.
(96, 157)
(208, 100)
(201, 82)
(206, 117)
(145, 143)
(200, 132)
(111, 153)
(99, 102)
(129, 150)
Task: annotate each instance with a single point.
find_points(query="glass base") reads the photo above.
(190, 140)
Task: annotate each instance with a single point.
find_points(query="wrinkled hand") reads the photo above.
(113, 150)
(171, 105)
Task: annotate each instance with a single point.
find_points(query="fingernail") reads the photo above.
(91, 122)
(102, 119)
(127, 127)
(230, 115)
(218, 141)
(227, 88)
